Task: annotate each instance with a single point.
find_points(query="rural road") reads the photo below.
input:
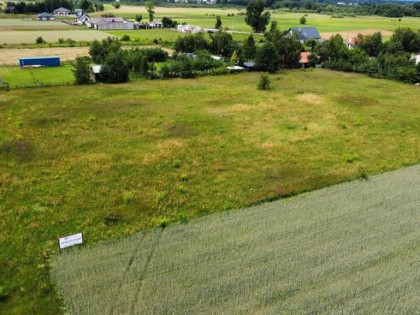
(350, 248)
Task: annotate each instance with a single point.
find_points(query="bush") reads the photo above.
(40, 40)
(115, 69)
(302, 20)
(116, 5)
(265, 82)
(125, 38)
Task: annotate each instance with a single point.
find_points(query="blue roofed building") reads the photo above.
(51, 61)
(305, 33)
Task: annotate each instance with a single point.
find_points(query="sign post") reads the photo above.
(70, 240)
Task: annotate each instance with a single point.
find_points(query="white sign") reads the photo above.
(70, 240)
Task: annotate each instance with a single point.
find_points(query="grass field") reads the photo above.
(325, 23)
(348, 249)
(17, 77)
(110, 160)
(20, 37)
(165, 37)
(30, 24)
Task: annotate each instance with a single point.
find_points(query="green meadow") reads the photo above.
(347, 249)
(112, 160)
(17, 77)
(205, 17)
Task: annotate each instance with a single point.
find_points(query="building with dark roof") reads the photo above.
(62, 11)
(305, 33)
(45, 17)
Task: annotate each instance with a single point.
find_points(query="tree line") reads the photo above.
(50, 5)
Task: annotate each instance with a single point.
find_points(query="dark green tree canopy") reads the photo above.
(256, 17)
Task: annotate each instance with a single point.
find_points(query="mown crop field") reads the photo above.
(30, 24)
(348, 249)
(22, 37)
(111, 160)
(17, 77)
(205, 17)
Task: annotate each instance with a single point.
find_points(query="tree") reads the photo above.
(100, 50)
(81, 70)
(84, 5)
(220, 42)
(249, 49)
(115, 69)
(139, 17)
(371, 44)
(191, 43)
(302, 20)
(265, 82)
(116, 5)
(150, 5)
(256, 17)
(267, 58)
(409, 39)
(218, 24)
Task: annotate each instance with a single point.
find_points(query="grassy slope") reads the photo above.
(347, 249)
(179, 148)
(285, 20)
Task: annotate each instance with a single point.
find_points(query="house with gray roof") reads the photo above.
(45, 17)
(62, 11)
(305, 33)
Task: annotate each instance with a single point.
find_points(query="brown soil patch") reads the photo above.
(350, 34)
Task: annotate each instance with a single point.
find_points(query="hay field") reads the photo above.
(31, 24)
(21, 37)
(348, 249)
(10, 56)
(111, 160)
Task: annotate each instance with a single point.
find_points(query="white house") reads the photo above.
(156, 24)
(188, 29)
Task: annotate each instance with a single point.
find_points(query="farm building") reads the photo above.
(51, 61)
(45, 17)
(305, 33)
(188, 29)
(62, 11)
(110, 24)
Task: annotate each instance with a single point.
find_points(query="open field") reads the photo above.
(165, 37)
(30, 24)
(11, 56)
(17, 77)
(347, 249)
(19, 37)
(110, 160)
(351, 34)
(325, 23)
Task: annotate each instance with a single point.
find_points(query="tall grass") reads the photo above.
(347, 249)
(180, 149)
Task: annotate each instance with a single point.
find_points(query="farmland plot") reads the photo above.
(351, 248)
(22, 37)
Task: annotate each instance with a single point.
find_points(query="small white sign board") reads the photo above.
(70, 240)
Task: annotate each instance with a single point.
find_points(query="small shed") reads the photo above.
(95, 71)
(304, 59)
(51, 61)
(45, 17)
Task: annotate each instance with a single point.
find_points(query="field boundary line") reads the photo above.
(146, 266)
(130, 263)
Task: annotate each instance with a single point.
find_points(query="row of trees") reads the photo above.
(392, 59)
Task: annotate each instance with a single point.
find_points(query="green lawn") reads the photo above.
(17, 77)
(325, 23)
(110, 160)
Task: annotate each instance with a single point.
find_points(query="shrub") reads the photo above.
(127, 196)
(302, 20)
(40, 40)
(125, 38)
(116, 5)
(265, 82)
